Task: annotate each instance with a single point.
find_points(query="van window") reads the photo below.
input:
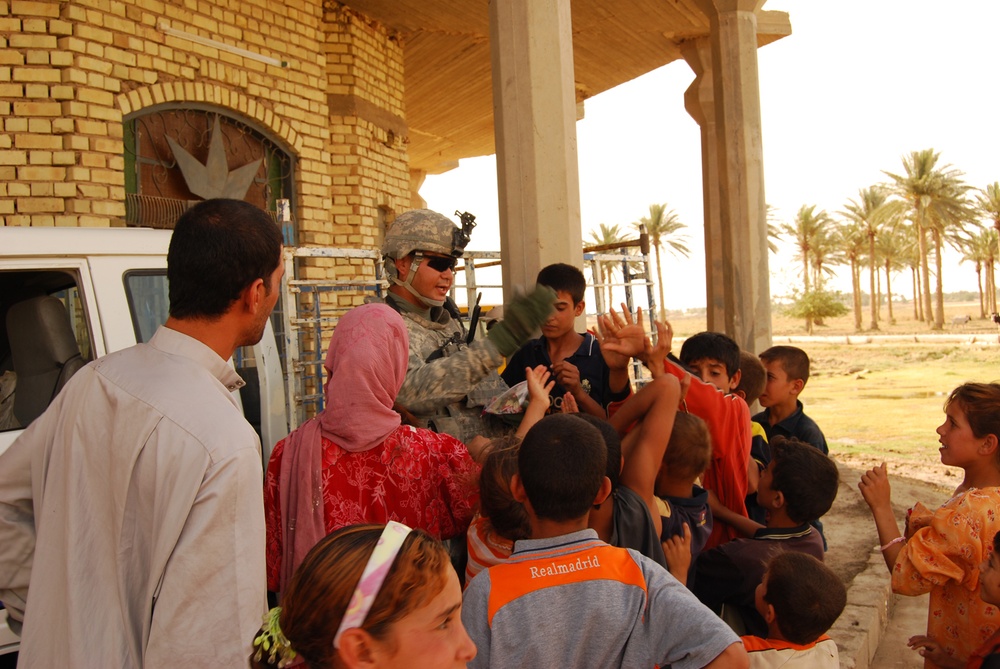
(44, 340)
(148, 301)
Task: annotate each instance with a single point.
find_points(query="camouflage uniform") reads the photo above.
(447, 392)
(447, 381)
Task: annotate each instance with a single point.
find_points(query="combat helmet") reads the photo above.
(423, 230)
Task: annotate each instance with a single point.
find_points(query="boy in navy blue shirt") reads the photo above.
(787, 372)
(574, 359)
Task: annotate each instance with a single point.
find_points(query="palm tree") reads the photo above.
(663, 227)
(890, 248)
(806, 230)
(935, 197)
(773, 231)
(608, 234)
(870, 211)
(988, 203)
(975, 249)
(852, 239)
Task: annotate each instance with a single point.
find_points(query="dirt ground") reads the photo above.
(849, 529)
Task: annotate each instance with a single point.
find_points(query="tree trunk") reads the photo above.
(925, 278)
(979, 289)
(871, 261)
(918, 310)
(888, 293)
(659, 280)
(856, 290)
(938, 282)
(805, 279)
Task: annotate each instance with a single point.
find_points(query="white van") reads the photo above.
(71, 295)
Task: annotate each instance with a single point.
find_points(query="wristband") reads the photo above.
(897, 540)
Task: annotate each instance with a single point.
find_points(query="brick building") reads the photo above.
(121, 110)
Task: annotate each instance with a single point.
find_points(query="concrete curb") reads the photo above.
(860, 628)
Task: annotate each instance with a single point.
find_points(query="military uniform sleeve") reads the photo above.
(431, 385)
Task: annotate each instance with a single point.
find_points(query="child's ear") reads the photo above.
(604, 492)
(517, 489)
(356, 649)
(797, 386)
(578, 309)
(989, 446)
(779, 499)
(769, 613)
(741, 393)
(734, 380)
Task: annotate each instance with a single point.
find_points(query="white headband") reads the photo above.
(372, 577)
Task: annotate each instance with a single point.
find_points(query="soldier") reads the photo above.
(447, 380)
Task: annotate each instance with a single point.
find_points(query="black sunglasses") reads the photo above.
(441, 263)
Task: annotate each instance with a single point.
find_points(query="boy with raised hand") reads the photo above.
(798, 486)
(566, 598)
(800, 598)
(576, 360)
(716, 357)
(787, 372)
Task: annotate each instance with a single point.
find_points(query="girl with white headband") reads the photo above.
(369, 596)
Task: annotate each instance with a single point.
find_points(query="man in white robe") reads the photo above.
(131, 512)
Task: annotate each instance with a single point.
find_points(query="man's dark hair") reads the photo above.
(805, 476)
(563, 277)
(753, 377)
(218, 248)
(793, 360)
(613, 443)
(806, 595)
(713, 345)
(689, 450)
(562, 464)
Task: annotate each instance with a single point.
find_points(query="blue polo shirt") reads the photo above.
(798, 425)
(594, 372)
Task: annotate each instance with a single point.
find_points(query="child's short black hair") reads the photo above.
(563, 277)
(689, 451)
(793, 360)
(806, 595)
(613, 443)
(753, 377)
(496, 503)
(714, 345)
(805, 476)
(562, 465)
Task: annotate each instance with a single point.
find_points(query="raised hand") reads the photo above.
(539, 385)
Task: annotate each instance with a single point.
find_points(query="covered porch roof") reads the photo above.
(446, 51)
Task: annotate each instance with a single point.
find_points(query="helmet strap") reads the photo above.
(407, 283)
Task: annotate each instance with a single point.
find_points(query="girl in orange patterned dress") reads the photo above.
(941, 551)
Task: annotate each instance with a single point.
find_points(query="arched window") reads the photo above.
(178, 155)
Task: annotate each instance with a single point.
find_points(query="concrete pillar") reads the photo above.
(699, 101)
(534, 110)
(416, 181)
(745, 290)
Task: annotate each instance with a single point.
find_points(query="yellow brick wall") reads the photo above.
(71, 71)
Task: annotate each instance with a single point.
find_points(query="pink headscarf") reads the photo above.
(365, 365)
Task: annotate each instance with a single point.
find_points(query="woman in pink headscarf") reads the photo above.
(355, 462)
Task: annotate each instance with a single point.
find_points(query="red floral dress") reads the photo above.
(416, 477)
(942, 556)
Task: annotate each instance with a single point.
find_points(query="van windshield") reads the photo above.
(148, 301)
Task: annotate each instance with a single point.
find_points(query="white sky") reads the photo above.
(856, 85)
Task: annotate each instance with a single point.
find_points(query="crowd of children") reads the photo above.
(664, 526)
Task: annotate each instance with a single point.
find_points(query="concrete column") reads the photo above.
(534, 110)
(416, 181)
(745, 290)
(699, 101)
